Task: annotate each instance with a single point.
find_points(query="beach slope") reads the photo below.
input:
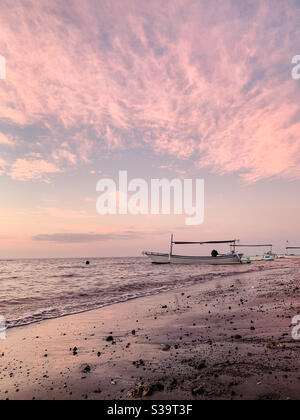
(226, 338)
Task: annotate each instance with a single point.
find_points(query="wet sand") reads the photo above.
(227, 338)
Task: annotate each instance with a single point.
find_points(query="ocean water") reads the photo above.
(34, 290)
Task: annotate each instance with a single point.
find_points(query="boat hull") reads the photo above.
(269, 258)
(254, 258)
(260, 258)
(158, 258)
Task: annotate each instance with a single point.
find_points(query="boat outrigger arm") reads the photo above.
(255, 246)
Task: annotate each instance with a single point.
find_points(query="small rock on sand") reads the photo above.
(166, 347)
(85, 368)
(110, 338)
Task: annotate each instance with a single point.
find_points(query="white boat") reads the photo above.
(291, 256)
(160, 258)
(264, 257)
(267, 256)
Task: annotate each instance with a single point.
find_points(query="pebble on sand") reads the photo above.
(110, 338)
(166, 347)
(85, 368)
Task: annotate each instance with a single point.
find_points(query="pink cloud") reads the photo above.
(6, 140)
(64, 155)
(2, 166)
(30, 169)
(204, 80)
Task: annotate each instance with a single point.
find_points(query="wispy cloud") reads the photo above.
(32, 169)
(193, 79)
(6, 140)
(85, 237)
(64, 155)
(2, 166)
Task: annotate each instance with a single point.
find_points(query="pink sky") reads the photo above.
(160, 88)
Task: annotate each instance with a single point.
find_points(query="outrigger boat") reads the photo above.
(290, 256)
(267, 256)
(232, 258)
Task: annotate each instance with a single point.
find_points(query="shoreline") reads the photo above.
(210, 277)
(212, 340)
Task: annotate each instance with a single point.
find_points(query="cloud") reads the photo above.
(64, 155)
(206, 81)
(32, 169)
(85, 237)
(59, 213)
(2, 166)
(6, 140)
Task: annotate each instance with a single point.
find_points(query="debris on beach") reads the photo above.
(198, 390)
(139, 363)
(85, 368)
(274, 346)
(202, 365)
(238, 337)
(110, 338)
(166, 347)
(145, 389)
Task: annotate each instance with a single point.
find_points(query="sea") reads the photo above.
(32, 290)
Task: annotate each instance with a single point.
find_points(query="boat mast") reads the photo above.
(233, 246)
(171, 249)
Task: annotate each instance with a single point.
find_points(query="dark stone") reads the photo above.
(85, 368)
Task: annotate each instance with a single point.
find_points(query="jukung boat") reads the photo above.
(291, 256)
(267, 256)
(170, 258)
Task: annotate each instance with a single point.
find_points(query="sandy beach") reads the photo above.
(227, 338)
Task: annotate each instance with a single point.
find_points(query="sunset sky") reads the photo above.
(162, 89)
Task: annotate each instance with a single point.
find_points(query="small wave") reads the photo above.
(74, 297)
(108, 297)
(9, 278)
(21, 301)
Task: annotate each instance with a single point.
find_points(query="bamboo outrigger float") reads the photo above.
(231, 258)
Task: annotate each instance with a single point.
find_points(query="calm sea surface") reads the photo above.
(34, 290)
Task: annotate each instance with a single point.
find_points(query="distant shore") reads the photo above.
(227, 338)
